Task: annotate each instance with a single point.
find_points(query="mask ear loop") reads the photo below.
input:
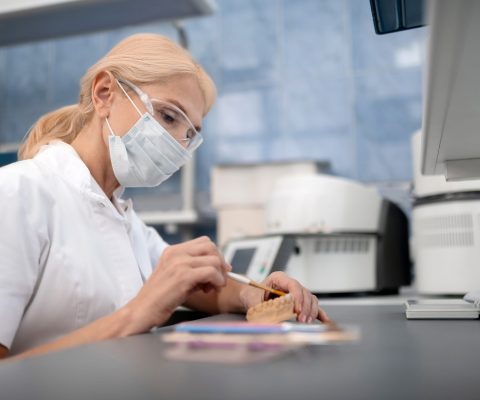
(109, 127)
(131, 101)
(128, 97)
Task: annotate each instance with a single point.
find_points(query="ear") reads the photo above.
(103, 91)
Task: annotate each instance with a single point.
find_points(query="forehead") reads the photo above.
(183, 90)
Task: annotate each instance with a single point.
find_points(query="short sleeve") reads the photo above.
(23, 242)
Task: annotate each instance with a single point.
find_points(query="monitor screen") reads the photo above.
(241, 260)
(397, 15)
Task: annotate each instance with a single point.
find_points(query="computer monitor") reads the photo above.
(451, 115)
(397, 15)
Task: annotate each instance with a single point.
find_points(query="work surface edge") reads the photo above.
(395, 359)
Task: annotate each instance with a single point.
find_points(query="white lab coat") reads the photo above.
(68, 255)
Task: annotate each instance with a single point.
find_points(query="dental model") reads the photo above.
(272, 311)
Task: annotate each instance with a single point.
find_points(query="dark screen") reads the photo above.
(397, 15)
(241, 260)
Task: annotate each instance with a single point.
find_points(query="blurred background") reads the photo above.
(297, 80)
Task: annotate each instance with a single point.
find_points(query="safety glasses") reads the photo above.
(174, 120)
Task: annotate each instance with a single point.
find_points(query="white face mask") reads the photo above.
(147, 154)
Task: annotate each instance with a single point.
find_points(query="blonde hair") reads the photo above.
(140, 59)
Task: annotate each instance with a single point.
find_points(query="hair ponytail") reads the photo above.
(140, 59)
(63, 124)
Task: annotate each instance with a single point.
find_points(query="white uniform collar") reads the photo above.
(62, 159)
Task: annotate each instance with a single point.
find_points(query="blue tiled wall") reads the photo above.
(296, 79)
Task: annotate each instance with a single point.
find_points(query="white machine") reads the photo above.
(445, 231)
(333, 235)
(446, 213)
(257, 257)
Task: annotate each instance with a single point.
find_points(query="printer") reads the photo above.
(333, 235)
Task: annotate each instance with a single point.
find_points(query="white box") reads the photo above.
(240, 222)
(250, 185)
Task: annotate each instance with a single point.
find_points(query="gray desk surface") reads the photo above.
(395, 359)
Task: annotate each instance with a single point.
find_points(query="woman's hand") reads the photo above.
(182, 270)
(306, 304)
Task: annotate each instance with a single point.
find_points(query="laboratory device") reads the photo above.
(445, 231)
(466, 308)
(257, 257)
(338, 236)
(451, 117)
(441, 309)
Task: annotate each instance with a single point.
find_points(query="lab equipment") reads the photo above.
(257, 257)
(451, 117)
(170, 116)
(349, 239)
(468, 308)
(446, 224)
(338, 237)
(445, 231)
(240, 193)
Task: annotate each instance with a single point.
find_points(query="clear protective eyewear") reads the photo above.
(174, 120)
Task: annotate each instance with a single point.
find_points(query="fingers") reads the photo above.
(306, 304)
(211, 261)
(203, 246)
(279, 280)
(203, 261)
(309, 310)
(206, 276)
(313, 309)
(306, 313)
(202, 253)
(182, 269)
(204, 287)
(322, 316)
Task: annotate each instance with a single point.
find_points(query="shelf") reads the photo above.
(28, 20)
(169, 217)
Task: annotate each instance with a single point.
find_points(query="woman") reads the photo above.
(78, 265)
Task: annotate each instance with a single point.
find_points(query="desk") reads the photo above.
(395, 359)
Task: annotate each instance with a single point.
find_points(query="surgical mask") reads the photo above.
(147, 154)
